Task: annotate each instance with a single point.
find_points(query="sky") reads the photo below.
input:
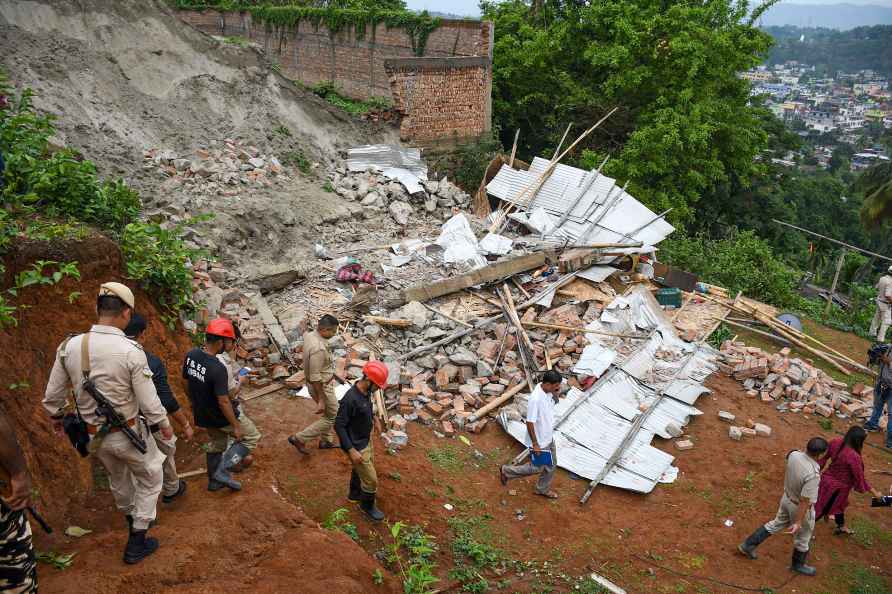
(462, 7)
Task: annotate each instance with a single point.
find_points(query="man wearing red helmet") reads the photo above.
(208, 388)
(353, 425)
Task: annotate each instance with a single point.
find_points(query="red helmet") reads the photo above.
(377, 372)
(221, 327)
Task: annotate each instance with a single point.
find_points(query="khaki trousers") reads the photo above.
(881, 320)
(323, 428)
(220, 438)
(546, 473)
(135, 478)
(786, 515)
(171, 482)
(368, 477)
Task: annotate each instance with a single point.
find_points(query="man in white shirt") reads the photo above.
(883, 317)
(540, 435)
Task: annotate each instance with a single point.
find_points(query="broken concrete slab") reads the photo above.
(276, 277)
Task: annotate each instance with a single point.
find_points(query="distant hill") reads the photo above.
(830, 50)
(832, 16)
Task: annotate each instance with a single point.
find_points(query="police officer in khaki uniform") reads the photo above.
(319, 374)
(796, 511)
(118, 368)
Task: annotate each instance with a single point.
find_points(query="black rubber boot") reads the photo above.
(139, 547)
(180, 491)
(799, 566)
(368, 506)
(748, 547)
(236, 452)
(355, 493)
(213, 461)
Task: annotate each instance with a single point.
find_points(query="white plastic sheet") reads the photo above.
(496, 245)
(459, 243)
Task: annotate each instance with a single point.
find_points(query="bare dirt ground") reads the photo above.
(673, 540)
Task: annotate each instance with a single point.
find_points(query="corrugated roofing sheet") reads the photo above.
(596, 209)
(403, 165)
(591, 425)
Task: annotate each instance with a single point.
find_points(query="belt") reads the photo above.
(94, 429)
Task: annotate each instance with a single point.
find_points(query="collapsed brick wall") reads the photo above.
(309, 54)
(441, 99)
(447, 97)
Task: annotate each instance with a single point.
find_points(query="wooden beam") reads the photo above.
(448, 317)
(839, 262)
(514, 148)
(524, 345)
(274, 387)
(493, 272)
(508, 395)
(397, 322)
(484, 323)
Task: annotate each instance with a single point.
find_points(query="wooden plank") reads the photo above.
(274, 387)
(447, 316)
(524, 345)
(498, 271)
(381, 321)
(191, 473)
(508, 395)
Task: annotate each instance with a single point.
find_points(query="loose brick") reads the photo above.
(684, 444)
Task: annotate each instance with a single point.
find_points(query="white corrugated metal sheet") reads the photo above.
(403, 165)
(595, 209)
(591, 425)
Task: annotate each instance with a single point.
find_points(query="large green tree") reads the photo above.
(686, 123)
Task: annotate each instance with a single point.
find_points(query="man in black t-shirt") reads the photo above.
(208, 382)
(173, 486)
(354, 424)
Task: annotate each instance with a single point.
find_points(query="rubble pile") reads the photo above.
(374, 190)
(794, 384)
(222, 169)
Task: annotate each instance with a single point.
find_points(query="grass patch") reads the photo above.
(299, 160)
(237, 40)
(857, 579)
(453, 458)
(868, 534)
(332, 94)
(473, 552)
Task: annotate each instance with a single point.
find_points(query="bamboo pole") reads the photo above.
(548, 171)
(525, 346)
(448, 317)
(514, 148)
(508, 395)
(581, 330)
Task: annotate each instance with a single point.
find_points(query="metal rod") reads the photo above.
(836, 241)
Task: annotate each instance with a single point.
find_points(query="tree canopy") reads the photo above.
(686, 123)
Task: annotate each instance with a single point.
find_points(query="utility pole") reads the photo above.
(842, 257)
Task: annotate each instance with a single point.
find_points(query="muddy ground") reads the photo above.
(672, 540)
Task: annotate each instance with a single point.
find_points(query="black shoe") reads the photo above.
(367, 504)
(213, 461)
(180, 490)
(327, 445)
(139, 547)
(871, 428)
(799, 566)
(748, 547)
(355, 493)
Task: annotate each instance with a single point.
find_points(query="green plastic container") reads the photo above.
(669, 297)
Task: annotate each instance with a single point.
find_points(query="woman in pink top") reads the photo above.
(846, 472)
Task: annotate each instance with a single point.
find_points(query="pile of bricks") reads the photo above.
(223, 169)
(794, 383)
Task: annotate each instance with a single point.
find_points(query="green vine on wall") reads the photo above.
(418, 26)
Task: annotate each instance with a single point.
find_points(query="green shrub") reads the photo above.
(329, 91)
(743, 262)
(54, 193)
(159, 260)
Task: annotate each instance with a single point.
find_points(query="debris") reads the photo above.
(735, 433)
(77, 531)
(684, 444)
(726, 416)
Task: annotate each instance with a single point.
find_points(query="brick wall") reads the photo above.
(441, 99)
(446, 96)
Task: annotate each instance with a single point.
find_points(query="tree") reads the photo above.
(876, 183)
(686, 123)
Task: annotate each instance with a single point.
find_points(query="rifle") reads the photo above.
(112, 417)
(4, 484)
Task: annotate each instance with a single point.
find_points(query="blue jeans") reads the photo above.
(881, 399)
